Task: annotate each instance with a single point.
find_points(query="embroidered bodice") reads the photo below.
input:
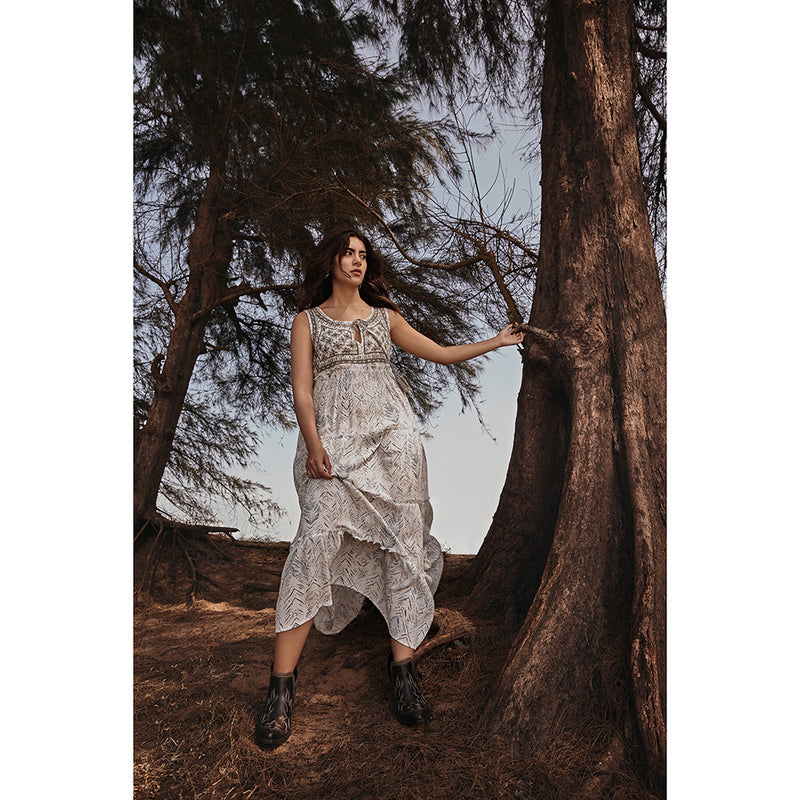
(335, 340)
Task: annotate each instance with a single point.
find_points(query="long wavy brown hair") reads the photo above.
(317, 284)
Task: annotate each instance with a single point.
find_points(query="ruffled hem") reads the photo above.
(346, 569)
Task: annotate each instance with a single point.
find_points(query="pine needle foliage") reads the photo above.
(279, 99)
(299, 106)
(492, 53)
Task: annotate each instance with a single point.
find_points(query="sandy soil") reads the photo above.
(201, 676)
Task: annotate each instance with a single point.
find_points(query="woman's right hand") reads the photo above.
(318, 465)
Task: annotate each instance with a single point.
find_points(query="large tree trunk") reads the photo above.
(210, 251)
(581, 526)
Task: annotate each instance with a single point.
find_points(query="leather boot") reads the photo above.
(410, 707)
(275, 723)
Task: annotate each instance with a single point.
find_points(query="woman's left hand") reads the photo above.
(507, 336)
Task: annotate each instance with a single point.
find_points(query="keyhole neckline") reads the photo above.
(347, 321)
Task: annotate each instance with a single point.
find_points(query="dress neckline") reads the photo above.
(347, 321)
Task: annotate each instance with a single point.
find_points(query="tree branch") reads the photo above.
(651, 106)
(511, 307)
(242, 290)
(249, 237)
(648, 51)
(160, 283)
(508, 237)
(553, 347)
(483, 254)
(408, 257)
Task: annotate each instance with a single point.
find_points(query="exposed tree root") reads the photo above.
(192, 573)
(260, 587)
(146, 583)
(189, 539)
(244, 543)
(452, 625)
(140, 532)
(440, 640)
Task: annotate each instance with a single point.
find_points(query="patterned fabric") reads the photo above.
(366, 532)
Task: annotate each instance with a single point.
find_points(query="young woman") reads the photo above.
(360, 474)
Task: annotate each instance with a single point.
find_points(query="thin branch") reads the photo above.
(408, 257)
(249, 237)
(511, 307)
(162, 284)
(479, 199)
(479, 292)
(502, 234)
(461, 229)
(242, 290)
(642, 26)
(648, 51)
(651, 107)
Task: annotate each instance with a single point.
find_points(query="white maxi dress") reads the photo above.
(366, 531)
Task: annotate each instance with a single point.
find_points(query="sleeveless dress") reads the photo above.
(366, 531)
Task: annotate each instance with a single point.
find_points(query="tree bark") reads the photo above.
(210, 252)
(512, 558)
(581, 526)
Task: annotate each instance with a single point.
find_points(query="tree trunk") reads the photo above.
(512, 557)
(210, 252)
(581, 525)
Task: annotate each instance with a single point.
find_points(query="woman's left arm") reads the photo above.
(416, 343)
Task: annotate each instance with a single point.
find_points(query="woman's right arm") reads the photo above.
(318, 464)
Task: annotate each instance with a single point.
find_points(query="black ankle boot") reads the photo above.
(409, 704)
(275, 723)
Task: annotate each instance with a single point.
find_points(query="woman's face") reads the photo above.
(351, 267)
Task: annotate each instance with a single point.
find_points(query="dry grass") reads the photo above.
(201, 674)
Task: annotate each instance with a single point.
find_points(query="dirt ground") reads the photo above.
(201, 674)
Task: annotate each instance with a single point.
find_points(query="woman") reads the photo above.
(360, 474)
